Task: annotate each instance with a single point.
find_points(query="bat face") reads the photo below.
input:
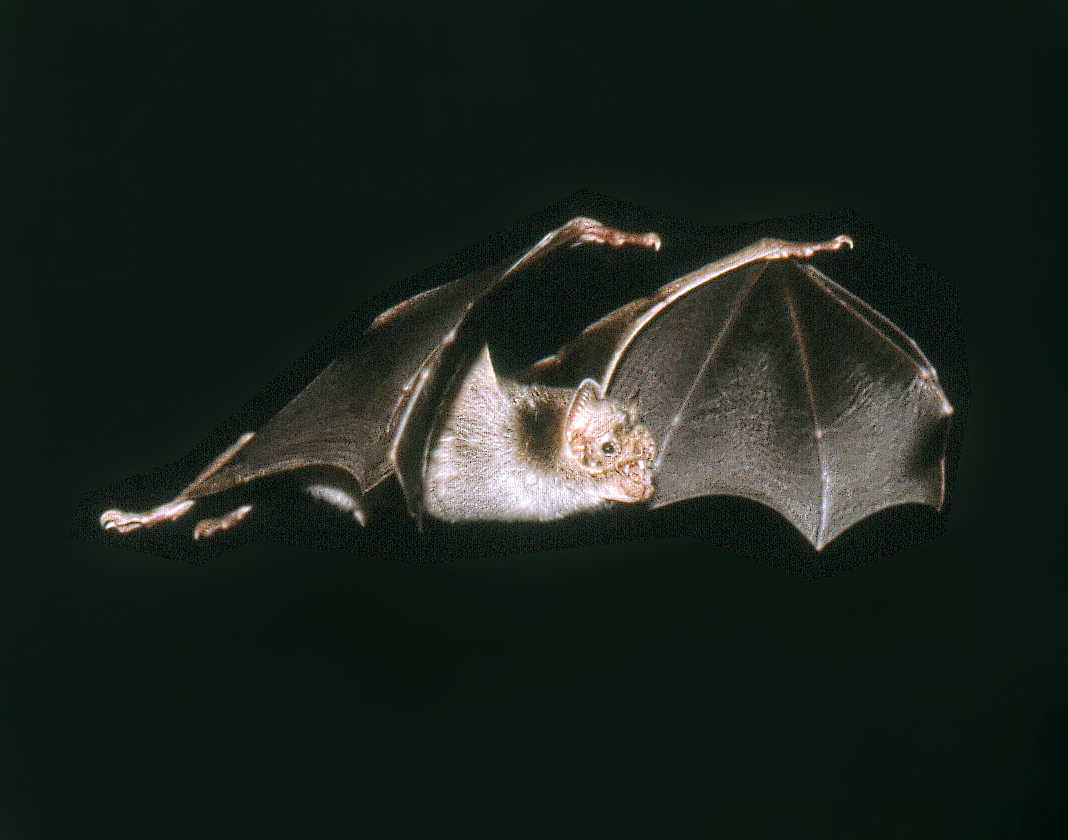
(396, 468)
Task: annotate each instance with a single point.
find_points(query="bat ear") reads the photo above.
(482, 375)
(584, 406)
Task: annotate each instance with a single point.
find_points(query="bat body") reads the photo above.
(518, 452)
(754, 376)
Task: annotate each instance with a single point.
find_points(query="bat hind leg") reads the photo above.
(207, 527)
(340, 498)
(124, 522)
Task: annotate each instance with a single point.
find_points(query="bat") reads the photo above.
(755, 376)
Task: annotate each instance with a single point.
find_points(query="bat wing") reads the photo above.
(351, 416)
(760, 377)
(370, 413)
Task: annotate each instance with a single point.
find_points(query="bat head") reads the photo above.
(603, 440)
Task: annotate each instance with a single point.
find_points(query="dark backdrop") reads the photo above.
(194, 194)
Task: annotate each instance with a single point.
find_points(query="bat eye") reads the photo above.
(608, 448)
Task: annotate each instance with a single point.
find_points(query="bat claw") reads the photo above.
(593, 231)
(123, 522)
(779, 249)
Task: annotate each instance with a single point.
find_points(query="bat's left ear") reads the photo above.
(481, 382)
(483, 366)
(585, 406)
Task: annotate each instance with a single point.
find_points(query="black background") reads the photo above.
(194, 194)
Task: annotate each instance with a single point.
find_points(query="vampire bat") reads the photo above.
(754, 376)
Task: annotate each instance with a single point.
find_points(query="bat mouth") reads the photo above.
(633, 471)
(636, 478)
(635, 468)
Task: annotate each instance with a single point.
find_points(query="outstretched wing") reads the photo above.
(350, 415)
(758, 376)
(371, 412)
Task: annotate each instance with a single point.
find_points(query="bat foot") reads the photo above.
(123, 522)
(207, 527)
